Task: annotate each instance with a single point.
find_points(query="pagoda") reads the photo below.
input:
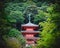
(30, 33)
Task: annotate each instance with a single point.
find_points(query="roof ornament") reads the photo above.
(29, 15)
(29, 23)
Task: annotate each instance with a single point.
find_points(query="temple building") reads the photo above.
(30, 32)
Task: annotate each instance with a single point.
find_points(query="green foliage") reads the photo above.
(12, 42)
(13, 33)
(29, 46)
(40, 16)
(15, 16)
(14, 39)
(14, 12)
(25, 8)
(49, 37)
(13, 7)
(17, 34)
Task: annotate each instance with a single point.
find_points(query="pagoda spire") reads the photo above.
(29, 18)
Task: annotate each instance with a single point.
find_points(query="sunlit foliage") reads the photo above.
(50, 35)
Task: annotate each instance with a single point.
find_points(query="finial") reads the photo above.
(29, 18)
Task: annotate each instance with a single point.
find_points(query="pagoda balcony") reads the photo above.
(30, 32)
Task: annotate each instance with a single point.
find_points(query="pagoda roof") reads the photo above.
(30, 24)
(33, 38)
(30, 32)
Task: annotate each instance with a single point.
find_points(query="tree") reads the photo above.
(40, 17)
(49, 37)
(5, 28)
(15, 16)
(14, 39)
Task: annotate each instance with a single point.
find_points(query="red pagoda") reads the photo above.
(29, 32)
